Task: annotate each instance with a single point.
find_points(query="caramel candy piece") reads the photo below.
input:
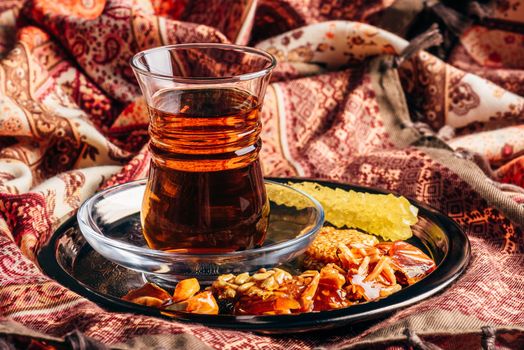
(329, 294)
(202, 303)
(409, 262)
(148, 301)
(273, 305)
(185, 289)
(147, 290)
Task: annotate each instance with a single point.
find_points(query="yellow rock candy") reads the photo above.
(387, 216)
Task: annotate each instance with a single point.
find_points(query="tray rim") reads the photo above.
(453, 264)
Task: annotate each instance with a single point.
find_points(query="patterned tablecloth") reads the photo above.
(347, 102)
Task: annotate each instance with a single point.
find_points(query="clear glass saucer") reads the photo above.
(110, 223)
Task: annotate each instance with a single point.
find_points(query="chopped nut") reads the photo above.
(346, 256)
(270, 283)
(230, 293)
(255, 291)
(306, 299)
(309, 273)
(219, 283)
(262, 275)
(377, 270)
(363, 268)
(335, 266)
(389, 274)
(226, 278)
(279, 276)
(242, 278)
(374, 258)
(282, 276)
(232, 285)
(245, 287)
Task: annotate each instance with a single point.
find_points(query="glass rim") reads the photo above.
(272, 62)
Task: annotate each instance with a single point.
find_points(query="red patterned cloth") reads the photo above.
(450, 135)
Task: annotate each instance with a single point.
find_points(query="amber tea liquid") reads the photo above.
(205, 192)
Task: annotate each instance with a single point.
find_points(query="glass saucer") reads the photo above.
(110, 223)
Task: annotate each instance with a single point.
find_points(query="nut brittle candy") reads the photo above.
(409, 262)
(324, 248)
(266, 292)
(346, 267)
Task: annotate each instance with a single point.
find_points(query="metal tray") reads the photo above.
(68, 259)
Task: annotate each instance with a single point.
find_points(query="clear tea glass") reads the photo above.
(205, 191)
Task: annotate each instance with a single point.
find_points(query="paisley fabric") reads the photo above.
(448, 132)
